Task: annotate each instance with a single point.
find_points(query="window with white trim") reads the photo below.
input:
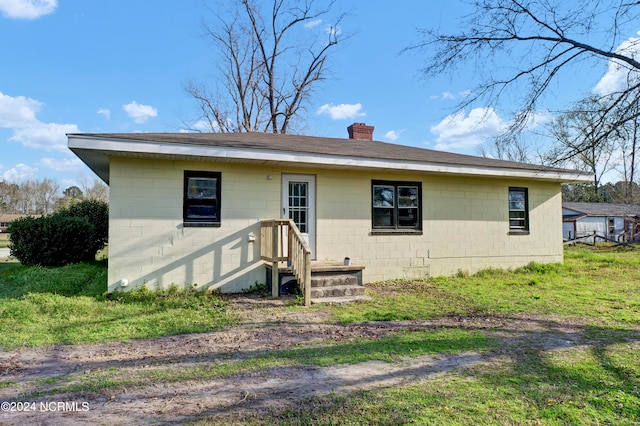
(396, 206)
(201, 204)
(518, 210)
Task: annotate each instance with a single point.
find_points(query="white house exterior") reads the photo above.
(185, 209)
(614, 222)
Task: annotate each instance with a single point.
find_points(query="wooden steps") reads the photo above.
(336, 287)
(331, 282)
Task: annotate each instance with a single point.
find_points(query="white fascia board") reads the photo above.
(229, 153)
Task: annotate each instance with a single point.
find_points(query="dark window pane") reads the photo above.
(516, 195)
(201, 202)
(383, 196)
(408, 217)
(518, 215)
(383, 217)
(407, 196)
(516, 205)
(201, 212)
(202, 188)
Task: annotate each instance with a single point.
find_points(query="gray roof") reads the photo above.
(603, 209)
(312, 145)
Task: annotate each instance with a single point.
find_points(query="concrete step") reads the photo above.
(337, 291)
(339, 300)
(331, 280)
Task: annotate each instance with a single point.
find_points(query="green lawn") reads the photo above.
(4, 240)
(595, 382)
(600, 283)
(68, 305)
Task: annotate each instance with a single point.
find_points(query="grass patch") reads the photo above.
(575, 386)
(67, 305)
(600, 283)
(4, 240)
(592, 379)
(388, 349)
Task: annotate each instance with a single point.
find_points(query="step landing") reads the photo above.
(331, 282)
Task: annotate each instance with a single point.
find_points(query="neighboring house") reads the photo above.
(615, 222)
(7, 218)
(191, 209)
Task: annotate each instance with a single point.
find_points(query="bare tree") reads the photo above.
(9, 196)
(43, 197)
(272, 55)
(93, 189)
(511, 147)
(542, 41)
(584, 139)
(45, 194)
(628, 145)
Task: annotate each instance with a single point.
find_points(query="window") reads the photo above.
(518, 210)
(396, 206)
(201, 205)
(299, 205)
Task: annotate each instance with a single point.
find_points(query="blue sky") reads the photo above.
(121, 66)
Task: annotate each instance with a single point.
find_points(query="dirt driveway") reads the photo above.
(264, 328)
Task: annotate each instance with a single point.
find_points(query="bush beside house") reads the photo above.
(74, 234)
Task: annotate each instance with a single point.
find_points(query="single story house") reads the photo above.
(7, 218)
(192, 208)
(614, 222)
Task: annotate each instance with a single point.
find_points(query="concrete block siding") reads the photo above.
(465, 225)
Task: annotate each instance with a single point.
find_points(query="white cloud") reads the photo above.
(61, 165)
(334, 31)
(448, 96)
(18, 111)
(342, 111)
(393, 135)
(66, 183)
(313, 24)
(19, 114)
(47, 136)
(200, 126)
(27, 9)
(140, 113)
(105, 112)
(459, 131)
(538, 118)
(620, 76)
(19, 173)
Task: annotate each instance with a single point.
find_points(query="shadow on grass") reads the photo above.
(81, 279)
(591, 376)
(68, 305)
(527, 366)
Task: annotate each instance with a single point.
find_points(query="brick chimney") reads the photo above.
(360, 131)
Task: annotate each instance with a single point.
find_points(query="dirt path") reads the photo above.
(263, 329)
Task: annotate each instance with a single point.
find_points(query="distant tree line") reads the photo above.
(43, 197)
(616, 193)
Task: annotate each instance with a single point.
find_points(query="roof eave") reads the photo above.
(95, 152)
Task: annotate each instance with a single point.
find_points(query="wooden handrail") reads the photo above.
(296, 252)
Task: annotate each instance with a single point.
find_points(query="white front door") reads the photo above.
(299, 204)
